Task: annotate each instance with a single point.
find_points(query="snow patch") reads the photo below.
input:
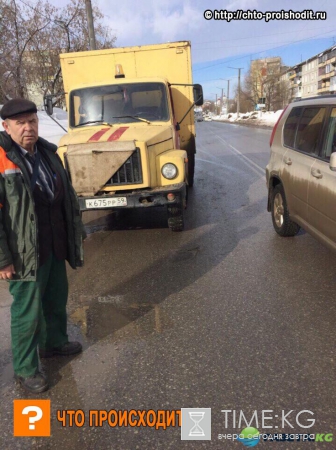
(48, 129)
(265, 118)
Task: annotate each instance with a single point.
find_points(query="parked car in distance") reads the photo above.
(301, 173)
(199, 117)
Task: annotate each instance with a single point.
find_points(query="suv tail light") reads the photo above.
(275, 126)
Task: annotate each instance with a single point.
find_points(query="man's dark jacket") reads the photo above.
(18, 218)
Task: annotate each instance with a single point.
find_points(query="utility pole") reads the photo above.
(216, 105)
(238, 97)
(90, 24)
(238, 102)
(221, 103)
(227, 97)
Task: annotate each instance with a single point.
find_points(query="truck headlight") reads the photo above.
(169, 171)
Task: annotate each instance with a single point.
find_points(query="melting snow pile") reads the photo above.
(267, 118)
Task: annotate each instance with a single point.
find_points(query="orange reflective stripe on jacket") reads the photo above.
(6, 166)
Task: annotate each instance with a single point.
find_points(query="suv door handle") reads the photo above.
(316, 173)
(288, 161)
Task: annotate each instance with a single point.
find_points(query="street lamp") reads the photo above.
(221, 101)
(238, 99)
(65, 26)
(227, 94)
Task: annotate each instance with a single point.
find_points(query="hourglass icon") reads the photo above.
(196, 417)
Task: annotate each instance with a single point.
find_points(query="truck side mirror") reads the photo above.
(332, 162)
(198, 94)
(48, 106)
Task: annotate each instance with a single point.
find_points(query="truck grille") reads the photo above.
(129, 173)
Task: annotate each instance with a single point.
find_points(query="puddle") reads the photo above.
(102, 316)
(184, 255)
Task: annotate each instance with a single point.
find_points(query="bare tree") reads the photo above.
(252, 83)
(262, 83)
(33, 36)
(245, 101)
(18, 27)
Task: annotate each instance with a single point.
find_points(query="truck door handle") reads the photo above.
(316, 173)
(288, 161)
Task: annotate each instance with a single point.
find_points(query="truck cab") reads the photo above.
(131, 139)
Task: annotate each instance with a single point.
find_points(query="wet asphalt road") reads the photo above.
(225, 315)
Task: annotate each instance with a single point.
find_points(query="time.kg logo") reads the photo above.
(249, 437)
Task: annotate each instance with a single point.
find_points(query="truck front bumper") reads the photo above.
(137, 199)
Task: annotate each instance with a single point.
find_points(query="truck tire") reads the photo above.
(191, 169)
(282, 224)
(175, 218)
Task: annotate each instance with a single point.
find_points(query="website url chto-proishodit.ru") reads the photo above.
(239, 14)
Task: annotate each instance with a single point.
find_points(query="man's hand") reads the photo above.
(6, 273)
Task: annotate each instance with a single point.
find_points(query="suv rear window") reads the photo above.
(309, 130)
(302, 129)
(330, 146)
(291, 126)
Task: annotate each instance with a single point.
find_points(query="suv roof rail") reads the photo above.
(314, 98)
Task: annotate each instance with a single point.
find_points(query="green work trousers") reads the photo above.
(38, 315)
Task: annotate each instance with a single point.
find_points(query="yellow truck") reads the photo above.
(131, 135)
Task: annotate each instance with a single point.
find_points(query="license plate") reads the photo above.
(105, 202)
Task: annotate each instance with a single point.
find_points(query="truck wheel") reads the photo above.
(282, 224)
(175, 218)
(191, 169)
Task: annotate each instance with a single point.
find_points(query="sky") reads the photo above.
(220, 44)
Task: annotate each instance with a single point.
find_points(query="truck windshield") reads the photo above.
(122, 103)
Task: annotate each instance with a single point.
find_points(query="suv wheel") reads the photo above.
(282, 224)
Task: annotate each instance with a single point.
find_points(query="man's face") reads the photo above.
(23, 130)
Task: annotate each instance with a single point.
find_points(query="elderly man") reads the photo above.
(40, 228)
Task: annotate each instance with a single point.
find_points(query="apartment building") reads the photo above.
(315, 76)
(295, 82)
(263, 73)
(310, 77)
(327, 72)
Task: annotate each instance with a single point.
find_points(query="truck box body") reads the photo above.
(124, 147)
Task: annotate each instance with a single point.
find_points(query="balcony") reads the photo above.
(326, 75)
(331, 60)
(323, 87)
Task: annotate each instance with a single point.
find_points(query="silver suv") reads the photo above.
(301, 173)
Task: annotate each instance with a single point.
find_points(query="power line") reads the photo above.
(260, 35)
(37, 11)
(257, 53)
(55, 21)
(245, 45)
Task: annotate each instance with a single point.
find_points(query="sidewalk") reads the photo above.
(5, 297)
(5, 334)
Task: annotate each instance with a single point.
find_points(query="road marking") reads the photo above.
(259, 169)
(256, 169)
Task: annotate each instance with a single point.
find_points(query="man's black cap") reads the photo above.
(16, 107)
